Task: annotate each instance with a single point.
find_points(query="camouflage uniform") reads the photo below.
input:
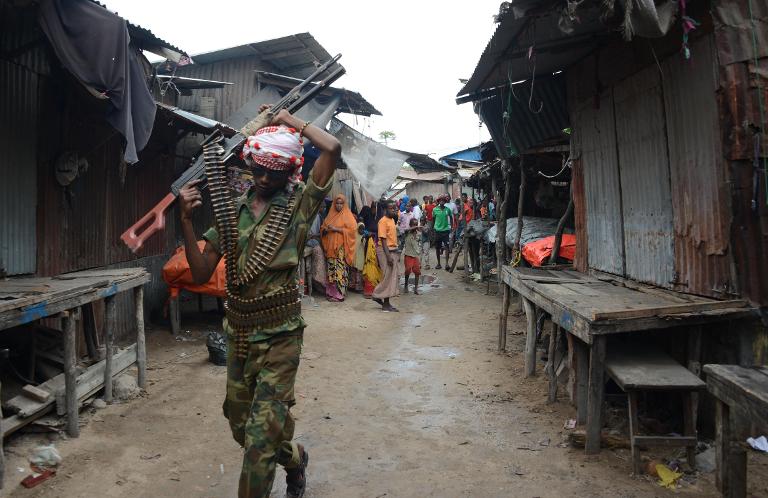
(260, 387)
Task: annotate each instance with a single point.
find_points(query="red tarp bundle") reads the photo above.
(177, 275)
(538, 251)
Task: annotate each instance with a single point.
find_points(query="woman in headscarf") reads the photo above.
(339, 238)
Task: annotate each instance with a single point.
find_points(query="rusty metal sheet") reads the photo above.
(19, 110)
(595, 142)
(701, 200)
(645, 183)
(581, 260)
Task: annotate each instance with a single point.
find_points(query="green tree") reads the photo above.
(387, 135)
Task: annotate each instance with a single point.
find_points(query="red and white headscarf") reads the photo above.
(278, 148)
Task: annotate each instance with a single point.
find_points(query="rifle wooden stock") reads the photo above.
(149, 224)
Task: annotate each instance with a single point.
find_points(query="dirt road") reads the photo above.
(389, 405)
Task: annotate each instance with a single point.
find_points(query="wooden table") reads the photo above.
(736, 389)
(25, 300)
(591, 308)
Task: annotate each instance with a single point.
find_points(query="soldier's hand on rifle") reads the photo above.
(190, 199)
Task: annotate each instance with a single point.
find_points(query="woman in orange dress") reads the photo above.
(339, 239)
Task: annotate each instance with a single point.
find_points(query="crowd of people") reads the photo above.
(362, 252)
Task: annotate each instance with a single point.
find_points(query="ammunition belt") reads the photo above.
(245, 314)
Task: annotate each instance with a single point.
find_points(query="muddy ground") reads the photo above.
(412, 404)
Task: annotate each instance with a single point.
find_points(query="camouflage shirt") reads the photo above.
(282, 271)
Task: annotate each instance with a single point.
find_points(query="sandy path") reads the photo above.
(398, 405)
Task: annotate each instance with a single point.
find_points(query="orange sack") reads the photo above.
(177, 275)
(538, 251)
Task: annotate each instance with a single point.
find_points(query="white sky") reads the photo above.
(404, 57)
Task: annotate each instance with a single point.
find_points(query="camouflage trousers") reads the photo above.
(258, 402)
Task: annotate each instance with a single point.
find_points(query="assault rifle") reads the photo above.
(154, 220)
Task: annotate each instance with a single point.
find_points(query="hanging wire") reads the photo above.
(759, 99)
(567, 163)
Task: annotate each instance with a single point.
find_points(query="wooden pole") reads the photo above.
(503, 318)
(520, 203)
(501, 215)
(70, 373)
(530, 338)
(111, 321)
(559, 230)
(141, 344)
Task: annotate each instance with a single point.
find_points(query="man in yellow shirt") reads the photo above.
(388, 255)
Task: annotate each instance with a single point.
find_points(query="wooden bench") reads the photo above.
(743, 389)
(643, 369)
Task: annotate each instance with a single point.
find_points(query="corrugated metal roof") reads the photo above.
(433, 176)
(183, 83)
(293, 55)
(505, 58)
(143, 38)
(524, 127)
(351, 102)
(470, 154)
(195, 122)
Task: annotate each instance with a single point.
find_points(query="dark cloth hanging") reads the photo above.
(94, 45)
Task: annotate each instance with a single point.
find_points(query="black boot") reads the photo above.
(296, 479)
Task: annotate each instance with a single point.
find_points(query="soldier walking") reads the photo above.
(263, 321)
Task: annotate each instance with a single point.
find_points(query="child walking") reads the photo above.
(412, 252)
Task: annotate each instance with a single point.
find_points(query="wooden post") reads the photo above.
(503, 317)
(141, 344)
(596, 393)
(109, 329)
(90, 331)
(690, 405)
(520, 203)
(634, 430)
(581, 357)
(174, 313)
(559, 230)
(554, 341)
(70, 372)
(501, 226)
(731, 474)
(530, 338)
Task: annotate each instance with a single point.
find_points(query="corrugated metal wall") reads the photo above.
(23, 64)
(672, 208)
(703, 260)
(645, 184)
(19, 110)
(240, 71)
(595, 140)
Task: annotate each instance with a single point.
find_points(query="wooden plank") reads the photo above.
(745, 387)
(20, 316)
(667, 310)
(639, 369)
(35, 393)
(672, 441)
(530, 338)
(672, 321)
(554, 280)
(92, 380)
(596, 393)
